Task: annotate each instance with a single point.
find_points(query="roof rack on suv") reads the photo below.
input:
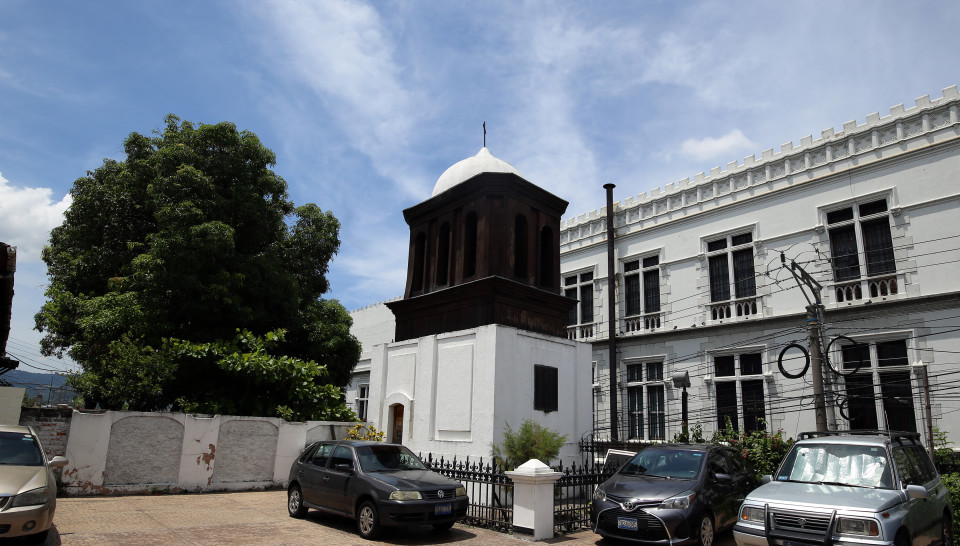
(892, 434)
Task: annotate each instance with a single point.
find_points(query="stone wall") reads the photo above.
(125, 452)
(52, 425)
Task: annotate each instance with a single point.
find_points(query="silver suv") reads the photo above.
(849, 488)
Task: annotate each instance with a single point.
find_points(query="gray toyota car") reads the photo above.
(854, 488)
(377, 484)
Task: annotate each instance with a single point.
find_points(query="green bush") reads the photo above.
(952, 483)
(531, 441)
(762, 452)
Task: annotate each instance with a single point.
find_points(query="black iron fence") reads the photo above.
(489, 488)
(574, 494)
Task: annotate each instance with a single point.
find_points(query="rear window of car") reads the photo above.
(20, 449)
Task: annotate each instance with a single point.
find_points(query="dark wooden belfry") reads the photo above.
(486, 251)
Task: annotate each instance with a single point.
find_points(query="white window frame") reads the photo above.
(362, 401)
(582, 329)
(876, 372)
(732, 308)
(643, 388)
(738, 378)
(646, 320)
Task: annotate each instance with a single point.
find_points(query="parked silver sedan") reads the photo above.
(28, 491)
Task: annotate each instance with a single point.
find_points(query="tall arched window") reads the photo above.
(443, 254)
(545, 264)
(520, 246)
(419, 251)
(470, 245)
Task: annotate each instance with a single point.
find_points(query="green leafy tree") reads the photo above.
(531, 441)
(187, 241)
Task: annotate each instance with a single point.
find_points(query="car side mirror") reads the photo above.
(343, 467)
(58, 461)
(767, 478)
(723, 478)
(916, 492)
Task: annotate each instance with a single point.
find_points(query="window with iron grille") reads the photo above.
(880, 394)
(645, 380)
(741, 372)
(579, 287)
(642, 285)
(545, 387)
(731, 253)
(860, 235)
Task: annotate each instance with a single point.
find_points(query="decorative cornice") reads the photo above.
(759, 174)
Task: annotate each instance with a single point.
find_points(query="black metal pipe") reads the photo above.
(612, 324)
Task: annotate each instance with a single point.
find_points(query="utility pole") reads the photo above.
(814, 309)
(612, 323)
(926, 402)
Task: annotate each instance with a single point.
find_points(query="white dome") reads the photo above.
(483, 162)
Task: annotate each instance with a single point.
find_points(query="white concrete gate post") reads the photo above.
(533, 498)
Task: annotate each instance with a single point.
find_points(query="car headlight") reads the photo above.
(599, 494)
(405, 495)
(461, 491)
(856, 526)
(681, 502)
(752, 513)
(30, 498)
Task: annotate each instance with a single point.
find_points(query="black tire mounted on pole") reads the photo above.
(806, 364)
(857, 364)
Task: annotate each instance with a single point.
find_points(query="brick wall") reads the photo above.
(52, 425)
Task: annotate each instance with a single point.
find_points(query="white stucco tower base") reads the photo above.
(451, 394)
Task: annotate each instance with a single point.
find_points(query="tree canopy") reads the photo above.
(183, 276)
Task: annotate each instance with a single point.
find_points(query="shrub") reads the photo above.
(762, 452)
(952, 483)
(361, 431)
(531, 441)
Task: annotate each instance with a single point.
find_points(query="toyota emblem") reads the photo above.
(628, 506)
(440, 494)
(801, 522)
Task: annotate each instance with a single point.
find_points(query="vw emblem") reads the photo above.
(801, 522)
(440, 494)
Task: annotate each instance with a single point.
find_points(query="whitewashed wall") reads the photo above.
(132, 452)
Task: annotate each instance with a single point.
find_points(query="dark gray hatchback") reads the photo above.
(377, 484)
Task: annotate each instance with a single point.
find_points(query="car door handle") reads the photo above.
(326, 478)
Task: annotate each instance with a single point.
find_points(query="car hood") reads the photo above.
(414, 479)
(644, 488)
(828, 497)
(14, 479)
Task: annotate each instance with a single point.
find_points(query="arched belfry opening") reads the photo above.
(486, 251)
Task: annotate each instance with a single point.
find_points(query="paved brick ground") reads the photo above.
(258, 517)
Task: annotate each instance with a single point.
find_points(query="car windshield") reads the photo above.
(666, 463)
(21, 449)
(387, 458)
(841, 464)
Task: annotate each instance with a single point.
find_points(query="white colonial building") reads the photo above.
(872, 213)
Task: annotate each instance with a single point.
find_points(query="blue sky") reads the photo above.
(366, 104)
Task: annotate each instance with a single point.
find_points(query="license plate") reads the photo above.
(442, 509)
(629, 524)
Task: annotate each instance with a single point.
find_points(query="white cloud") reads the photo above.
(28, 216)
(711, 148)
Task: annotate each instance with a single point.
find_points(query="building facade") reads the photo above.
(702, 284)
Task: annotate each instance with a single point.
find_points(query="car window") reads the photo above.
(20, 449)
(718, 463)
(387, 458)
(322, 454)
(860, 465)
(342, 455)
(734, 462)
(926, 472)
(669, 462)
(906, 467)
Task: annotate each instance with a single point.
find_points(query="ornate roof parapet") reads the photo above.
(756, 175)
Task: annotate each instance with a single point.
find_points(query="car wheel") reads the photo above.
(443, 526)
(38, 538)
(946, 535)
(295, 506)
(705, 530)
(902, 539)
(368, 520)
